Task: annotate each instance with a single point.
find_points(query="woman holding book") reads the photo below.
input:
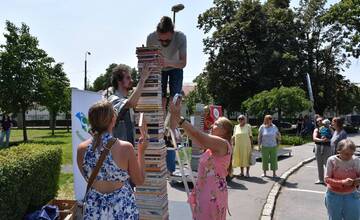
(110, 195)
(209, 198)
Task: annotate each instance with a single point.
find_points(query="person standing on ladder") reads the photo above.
(173, 49)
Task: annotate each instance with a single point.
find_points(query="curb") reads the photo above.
(269, 207)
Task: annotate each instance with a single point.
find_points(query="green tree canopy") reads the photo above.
(200, 94)
(255, 47)
(344, 17)
(23, 66)
(103, 81)
(54, 92)
(286, 101)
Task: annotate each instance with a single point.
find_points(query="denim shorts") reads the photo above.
(175, 79)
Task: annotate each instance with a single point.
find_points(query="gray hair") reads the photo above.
(346, 144)
(241, 116)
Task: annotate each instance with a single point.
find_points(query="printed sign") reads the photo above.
(81, 101)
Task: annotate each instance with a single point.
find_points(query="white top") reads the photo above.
(268, 135)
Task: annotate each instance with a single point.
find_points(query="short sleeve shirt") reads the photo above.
(174, 50)
(124, 129)
(268, 135)
(337, 137)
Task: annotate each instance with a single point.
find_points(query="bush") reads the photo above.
(292, 140)
(29, 176)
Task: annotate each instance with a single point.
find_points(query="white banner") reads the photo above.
(81, 101)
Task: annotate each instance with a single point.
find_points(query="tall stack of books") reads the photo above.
(151, 197)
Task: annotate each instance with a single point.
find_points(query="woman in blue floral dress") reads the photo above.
(111, 196)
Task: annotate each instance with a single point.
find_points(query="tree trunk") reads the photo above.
(67, 124)
(53, 122)
(279, 115)
(25, 137)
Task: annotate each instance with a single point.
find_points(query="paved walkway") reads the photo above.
(300, 198)
(246, 195)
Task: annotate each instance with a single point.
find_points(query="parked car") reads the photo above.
(353, 120)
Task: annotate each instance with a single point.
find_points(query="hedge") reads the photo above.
(29, 176)
(292, 140)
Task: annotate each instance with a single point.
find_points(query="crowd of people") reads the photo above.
(110, 193)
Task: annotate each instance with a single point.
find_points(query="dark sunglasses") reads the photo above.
(240, 119)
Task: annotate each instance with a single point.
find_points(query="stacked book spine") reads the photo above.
(151, 197)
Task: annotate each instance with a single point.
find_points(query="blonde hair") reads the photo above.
(267, 117)
(346, 144)
(227, 126)
(100, 117)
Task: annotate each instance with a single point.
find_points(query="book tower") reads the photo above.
(151, 197)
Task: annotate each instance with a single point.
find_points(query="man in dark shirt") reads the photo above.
(5, 130)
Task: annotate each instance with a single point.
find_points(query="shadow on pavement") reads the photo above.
(236, 185)
(252, 179)
(291, 185)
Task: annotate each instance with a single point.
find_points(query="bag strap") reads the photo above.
(99, 163)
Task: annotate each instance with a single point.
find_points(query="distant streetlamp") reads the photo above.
(85, 80)
(175, 9)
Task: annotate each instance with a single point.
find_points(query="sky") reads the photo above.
(111, 30)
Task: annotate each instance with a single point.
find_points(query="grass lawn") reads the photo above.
(43, 136)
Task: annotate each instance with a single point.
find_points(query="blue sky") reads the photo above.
(110, 30)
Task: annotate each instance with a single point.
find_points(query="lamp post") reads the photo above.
(175, 9)
(85, 80)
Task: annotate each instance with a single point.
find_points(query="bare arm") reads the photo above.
(260, 137)
(214, 143)
(80, 155)
(136, 166)
(315, 136)
(134, 98)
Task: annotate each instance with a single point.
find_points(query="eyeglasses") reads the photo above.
(240, 119)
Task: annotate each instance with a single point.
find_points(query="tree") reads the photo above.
(103, 81)
(286, 101)
(250, 50)
(54, 92)
(320, 55)
(66, 107)
(200, 94)
(344, 17)
(23, 66)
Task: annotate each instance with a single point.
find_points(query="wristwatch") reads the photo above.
(182, 119)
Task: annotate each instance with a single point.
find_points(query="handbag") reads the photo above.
(253, 158)
(94, 173)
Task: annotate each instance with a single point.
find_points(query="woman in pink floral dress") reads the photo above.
(209, 199)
